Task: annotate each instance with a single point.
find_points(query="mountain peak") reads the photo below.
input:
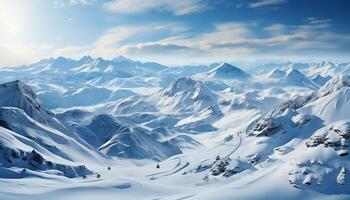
(17, 85)
(62, 59)
(180, 84)
(295, 74)
(184, 94)
(296, 78)
(336, 83)
(85, 59)
(227, 71)
(323, 63)
(19, 95)
(225, 66)
(277, 73)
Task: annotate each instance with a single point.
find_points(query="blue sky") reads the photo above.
(175, 32)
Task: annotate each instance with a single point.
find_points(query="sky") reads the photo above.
(176, 32)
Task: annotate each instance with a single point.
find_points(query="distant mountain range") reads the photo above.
(94, 121)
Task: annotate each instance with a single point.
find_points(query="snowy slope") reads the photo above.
(184, 95)
(141, 130)
(277, 74)
(332, 101)
(320, 80)
(21, 157)
(296, 78)
(227, 71)
(135, 143)
(17, 94)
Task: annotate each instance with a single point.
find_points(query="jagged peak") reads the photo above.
(180, 84)
(18, 86)
(323, 63)
(99, 59)
(333, 85)
(86, 58)
(19, 95)
(98, 62)
(336, 83)
(61, 59)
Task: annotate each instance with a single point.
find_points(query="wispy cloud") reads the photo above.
(182, 7)
(276, 29)
(85, 2)
(226, 40)
(61, 3)
(115, 40)
(176, 43)
(264, 3)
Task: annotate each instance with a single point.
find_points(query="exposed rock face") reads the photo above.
(35, 161)
(184, 95)
(335, 136)
(333, 85)
(266, 127)
(224, 167)
(273, 123)
(219, 167)
(308, 173)
(17, 94)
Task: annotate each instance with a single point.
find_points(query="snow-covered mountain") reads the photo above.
(32, 138)
(129, 141)
(227, 71)
(310, 69)
(299, 127)
(142, 130)
(320, 80)
(296, 78)
(183, 95)
(277, 74)
(17, 94)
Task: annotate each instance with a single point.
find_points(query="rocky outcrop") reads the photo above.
(335, 136)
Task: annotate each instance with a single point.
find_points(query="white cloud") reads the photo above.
(173, 43)
(116, 40)
(276, 29)
(61, 3)
(182, 7)
(234, 40)
(264, 3)
(84, 2)
(14, 55)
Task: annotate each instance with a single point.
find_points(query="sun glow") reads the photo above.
(11, 18)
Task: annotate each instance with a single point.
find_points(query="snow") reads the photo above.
(97, 128)
(277, 74)
(295, 77)
(184, 95)
(227, 71)
(320, 80)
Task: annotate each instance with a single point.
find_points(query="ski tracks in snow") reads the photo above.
(236, 147)
(179, 166)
